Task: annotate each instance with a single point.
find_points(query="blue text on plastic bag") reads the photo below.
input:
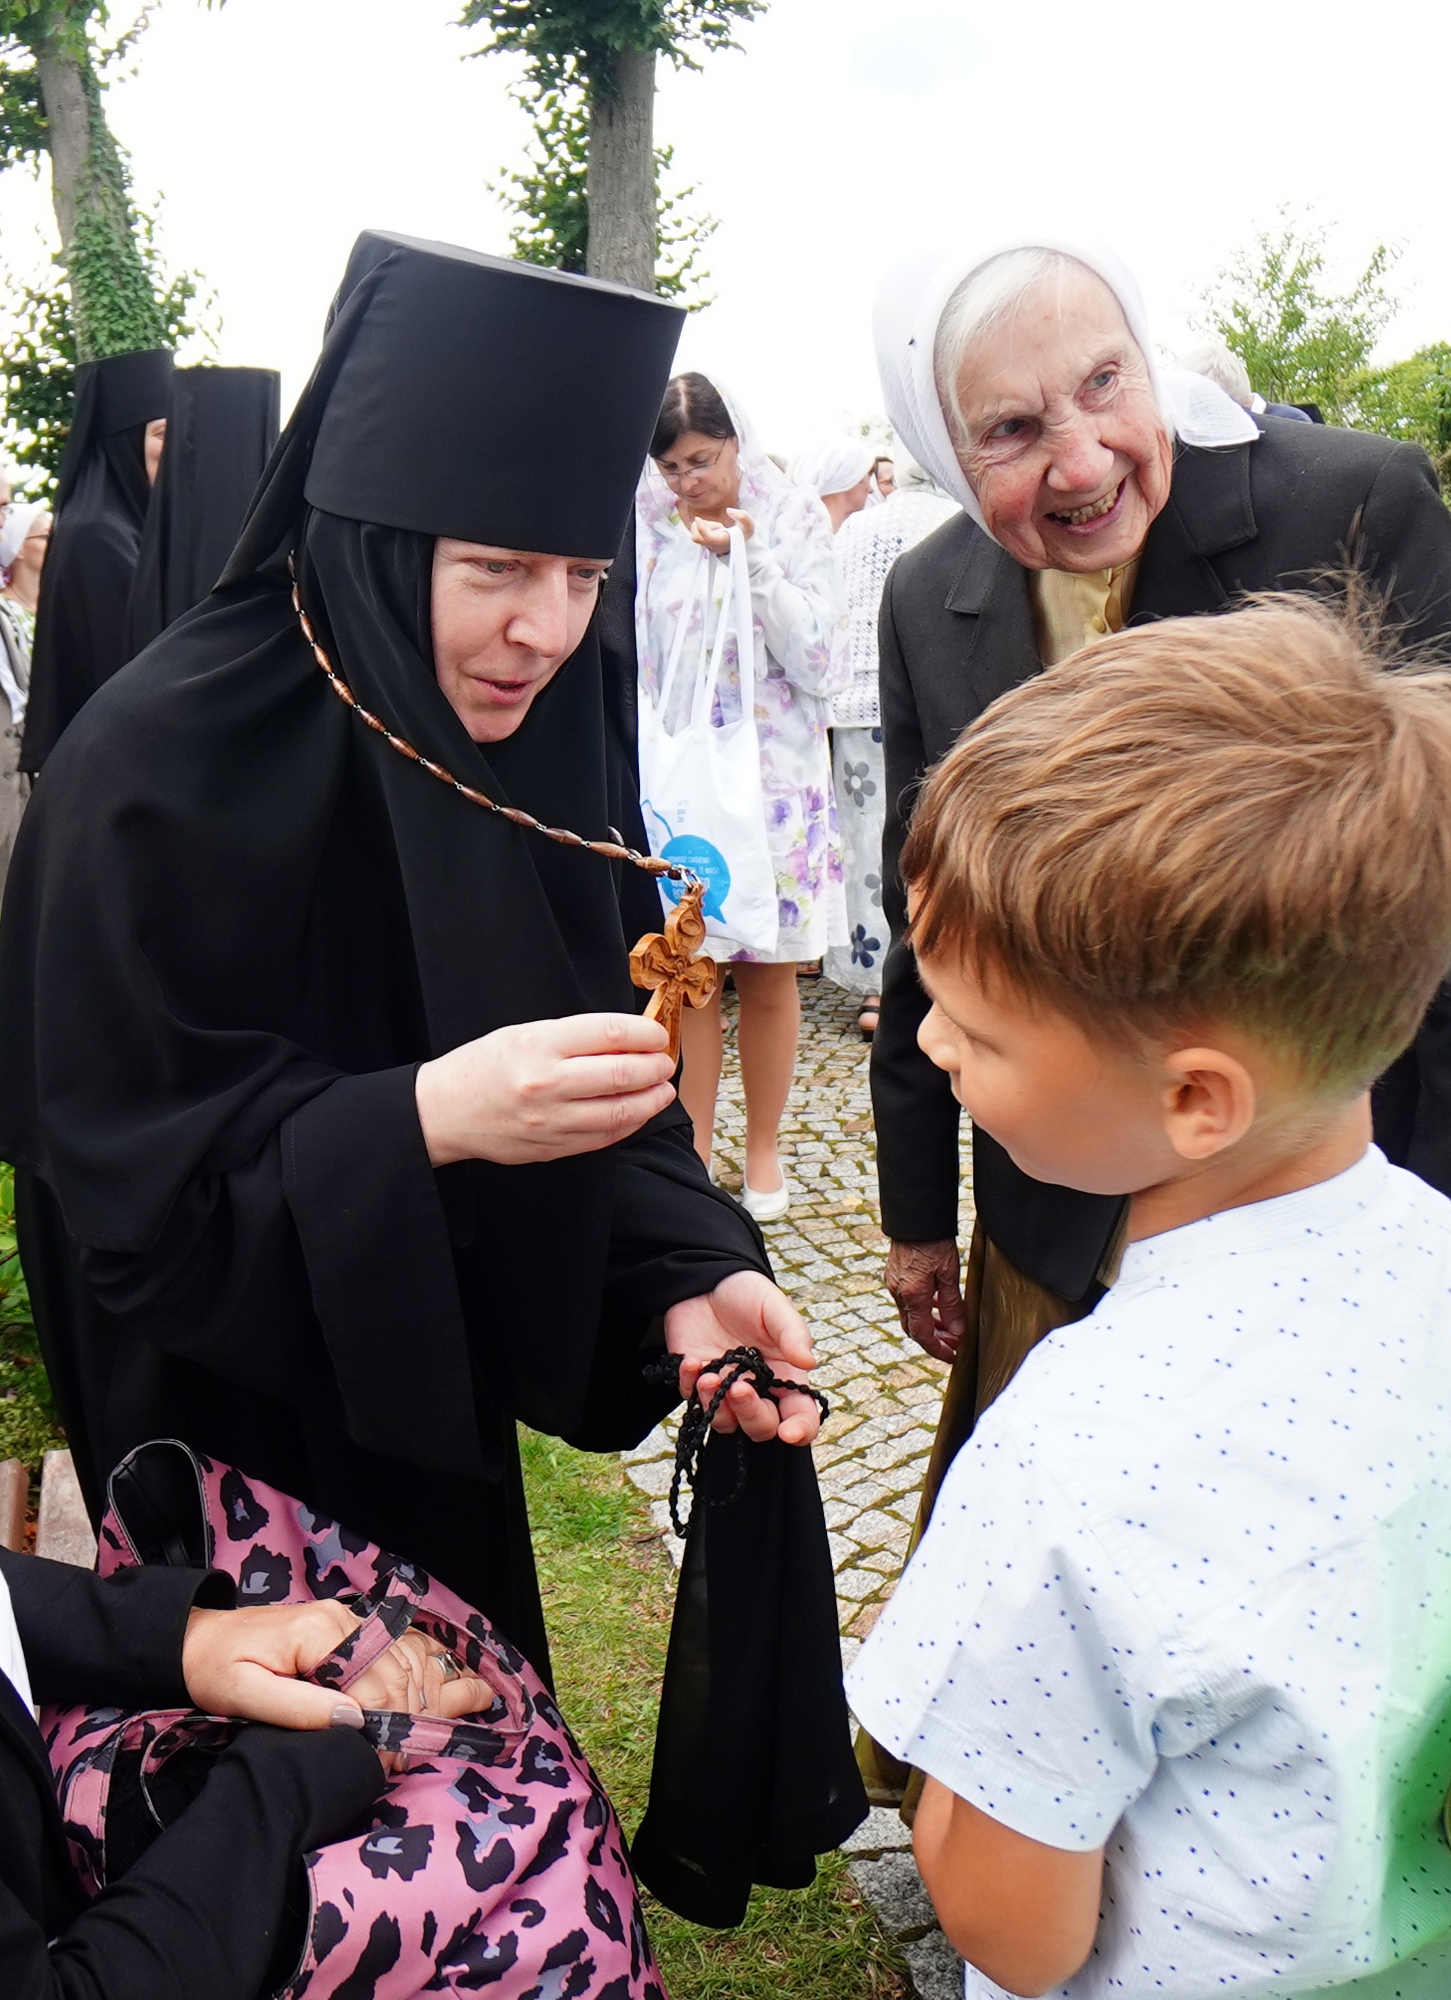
(701, 858)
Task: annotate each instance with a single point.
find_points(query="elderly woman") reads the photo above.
(1092, 494)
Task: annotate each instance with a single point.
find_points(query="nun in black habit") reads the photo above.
(340, 1144)
(221, 426)
(242, 921)
(105, 483)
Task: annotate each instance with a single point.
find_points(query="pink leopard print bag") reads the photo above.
(495, 1860)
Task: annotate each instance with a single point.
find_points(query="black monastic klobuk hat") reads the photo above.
(469, 400)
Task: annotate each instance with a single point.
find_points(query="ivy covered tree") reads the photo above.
(590, 80)
(112, 293)
(52, 102)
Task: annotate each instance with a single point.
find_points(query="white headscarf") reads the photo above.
(777, 507)
(910, 306)
(12, 1659)
(16, 522)
(834, 467)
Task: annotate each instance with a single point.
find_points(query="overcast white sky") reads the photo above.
(845, 133)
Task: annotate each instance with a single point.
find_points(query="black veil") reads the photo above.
(101, 505)
(220, 430)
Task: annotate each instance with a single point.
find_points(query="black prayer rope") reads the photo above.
(736, 1366)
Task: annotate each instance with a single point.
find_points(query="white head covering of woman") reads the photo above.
(909, 308)
(777, 507)
(834, 467)
(16, 522)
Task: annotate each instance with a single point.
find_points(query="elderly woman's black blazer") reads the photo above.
(203, 1911)
(1285, 512)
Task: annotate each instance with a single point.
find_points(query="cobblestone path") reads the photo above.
(884, 1392)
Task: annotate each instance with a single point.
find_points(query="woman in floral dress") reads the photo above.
(707, 471)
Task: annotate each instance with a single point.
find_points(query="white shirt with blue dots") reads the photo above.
(1187, 1592)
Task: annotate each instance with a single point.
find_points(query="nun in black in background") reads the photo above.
(375, 1155)
(221, 427)
(106, 474)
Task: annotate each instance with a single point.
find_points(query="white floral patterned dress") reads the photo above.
(799, 618)
(867, 546)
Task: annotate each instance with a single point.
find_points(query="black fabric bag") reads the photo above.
(754, 1774)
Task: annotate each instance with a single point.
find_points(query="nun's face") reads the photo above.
(155, 446)
(1066, 450)
(504, 623)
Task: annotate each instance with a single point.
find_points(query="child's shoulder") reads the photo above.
(1235, 1358)
(1323, 1256)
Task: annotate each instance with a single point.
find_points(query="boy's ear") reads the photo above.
(1209, 1100)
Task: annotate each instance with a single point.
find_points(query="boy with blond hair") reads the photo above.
(1175, 1652)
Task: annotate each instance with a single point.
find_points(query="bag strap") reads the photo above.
(385, 1620)
(745, 623)
(677, 643)
(706, 683)
(469, 1740)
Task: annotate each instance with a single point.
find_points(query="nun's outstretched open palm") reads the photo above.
(746, 1310)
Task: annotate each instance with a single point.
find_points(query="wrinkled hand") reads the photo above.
(746, 1310)
(544, 1090)
(925, 1281)
(713, 535)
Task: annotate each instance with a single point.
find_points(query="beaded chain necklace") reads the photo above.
(664, 963)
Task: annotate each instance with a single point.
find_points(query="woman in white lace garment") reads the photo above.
(867, 546)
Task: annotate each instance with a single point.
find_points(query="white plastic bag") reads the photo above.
(701, 787)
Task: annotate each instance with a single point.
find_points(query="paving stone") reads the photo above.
(653, 1476)
(881, 1832)
(896, 1893)
(935, 1967)
(876, 1530)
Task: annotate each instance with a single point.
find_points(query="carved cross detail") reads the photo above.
(664, 963)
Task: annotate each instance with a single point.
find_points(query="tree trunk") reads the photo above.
(622, 171)
(113, 307)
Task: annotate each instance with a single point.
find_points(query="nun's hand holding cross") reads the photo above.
(544, 1090)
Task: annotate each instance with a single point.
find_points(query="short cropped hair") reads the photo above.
(1242, 820)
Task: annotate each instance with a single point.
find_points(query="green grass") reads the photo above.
(28, 1427)
(608, 1590)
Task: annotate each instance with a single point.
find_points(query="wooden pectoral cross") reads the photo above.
(665, 964)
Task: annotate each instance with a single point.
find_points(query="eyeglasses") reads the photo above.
(679, 474)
